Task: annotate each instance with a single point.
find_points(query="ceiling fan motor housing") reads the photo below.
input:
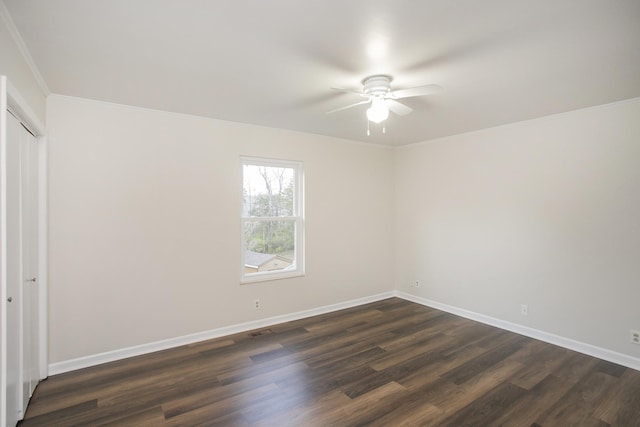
(378, 85)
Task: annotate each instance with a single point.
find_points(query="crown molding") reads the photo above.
(22, 47)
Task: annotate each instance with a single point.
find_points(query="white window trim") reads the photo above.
(297, 268)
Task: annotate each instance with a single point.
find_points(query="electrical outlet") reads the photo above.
(416, 284)
(635, 336)
(256, 304)
(524, 309)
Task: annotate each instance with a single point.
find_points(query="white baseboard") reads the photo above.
(110, 356)
(591, 350)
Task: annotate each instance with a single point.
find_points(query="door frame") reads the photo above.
(20, 108)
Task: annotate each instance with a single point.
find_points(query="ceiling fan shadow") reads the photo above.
(493, 41)
(327, 57)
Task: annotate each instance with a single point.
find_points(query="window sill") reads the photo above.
(267, 277)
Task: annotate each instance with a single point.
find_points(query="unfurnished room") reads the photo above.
(319, 213)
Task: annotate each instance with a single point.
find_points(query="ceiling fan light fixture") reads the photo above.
(378, 112)
(377, 91)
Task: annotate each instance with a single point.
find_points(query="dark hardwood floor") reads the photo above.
(389, 363)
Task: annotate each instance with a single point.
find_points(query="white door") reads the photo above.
(22, 264)
(29, 219)
(13, 274)
(32, 277)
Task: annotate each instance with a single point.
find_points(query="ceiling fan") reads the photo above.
(377, 91)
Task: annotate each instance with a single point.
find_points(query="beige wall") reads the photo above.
(145, 236)
(14, 66)
(544, 212)
(144, 240)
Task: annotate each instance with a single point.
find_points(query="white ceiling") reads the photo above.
(272, 63)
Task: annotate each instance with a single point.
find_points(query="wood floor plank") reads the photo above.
(480, 364)
(368, 407)
(220, 409)
(59, 416)
(397, 355)
(526, 409)
(333, 352)
(540, 360)
(147, 417)
(488, 407)
(576, 407)
(621, 406)
(452, 397)
(191, 400)
(387, 363)
(306, 412)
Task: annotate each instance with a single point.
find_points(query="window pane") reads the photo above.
(269, 245)
(268, 191)
(272, 222)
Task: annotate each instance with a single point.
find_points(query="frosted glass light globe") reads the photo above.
(378, 112)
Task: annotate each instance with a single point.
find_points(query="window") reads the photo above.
(272, 219)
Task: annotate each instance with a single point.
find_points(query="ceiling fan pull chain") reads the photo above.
(384, 127)
(368, 131)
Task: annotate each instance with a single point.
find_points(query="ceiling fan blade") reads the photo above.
(355, 92)
(348, 106)
(416, 91)
(397, 107)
